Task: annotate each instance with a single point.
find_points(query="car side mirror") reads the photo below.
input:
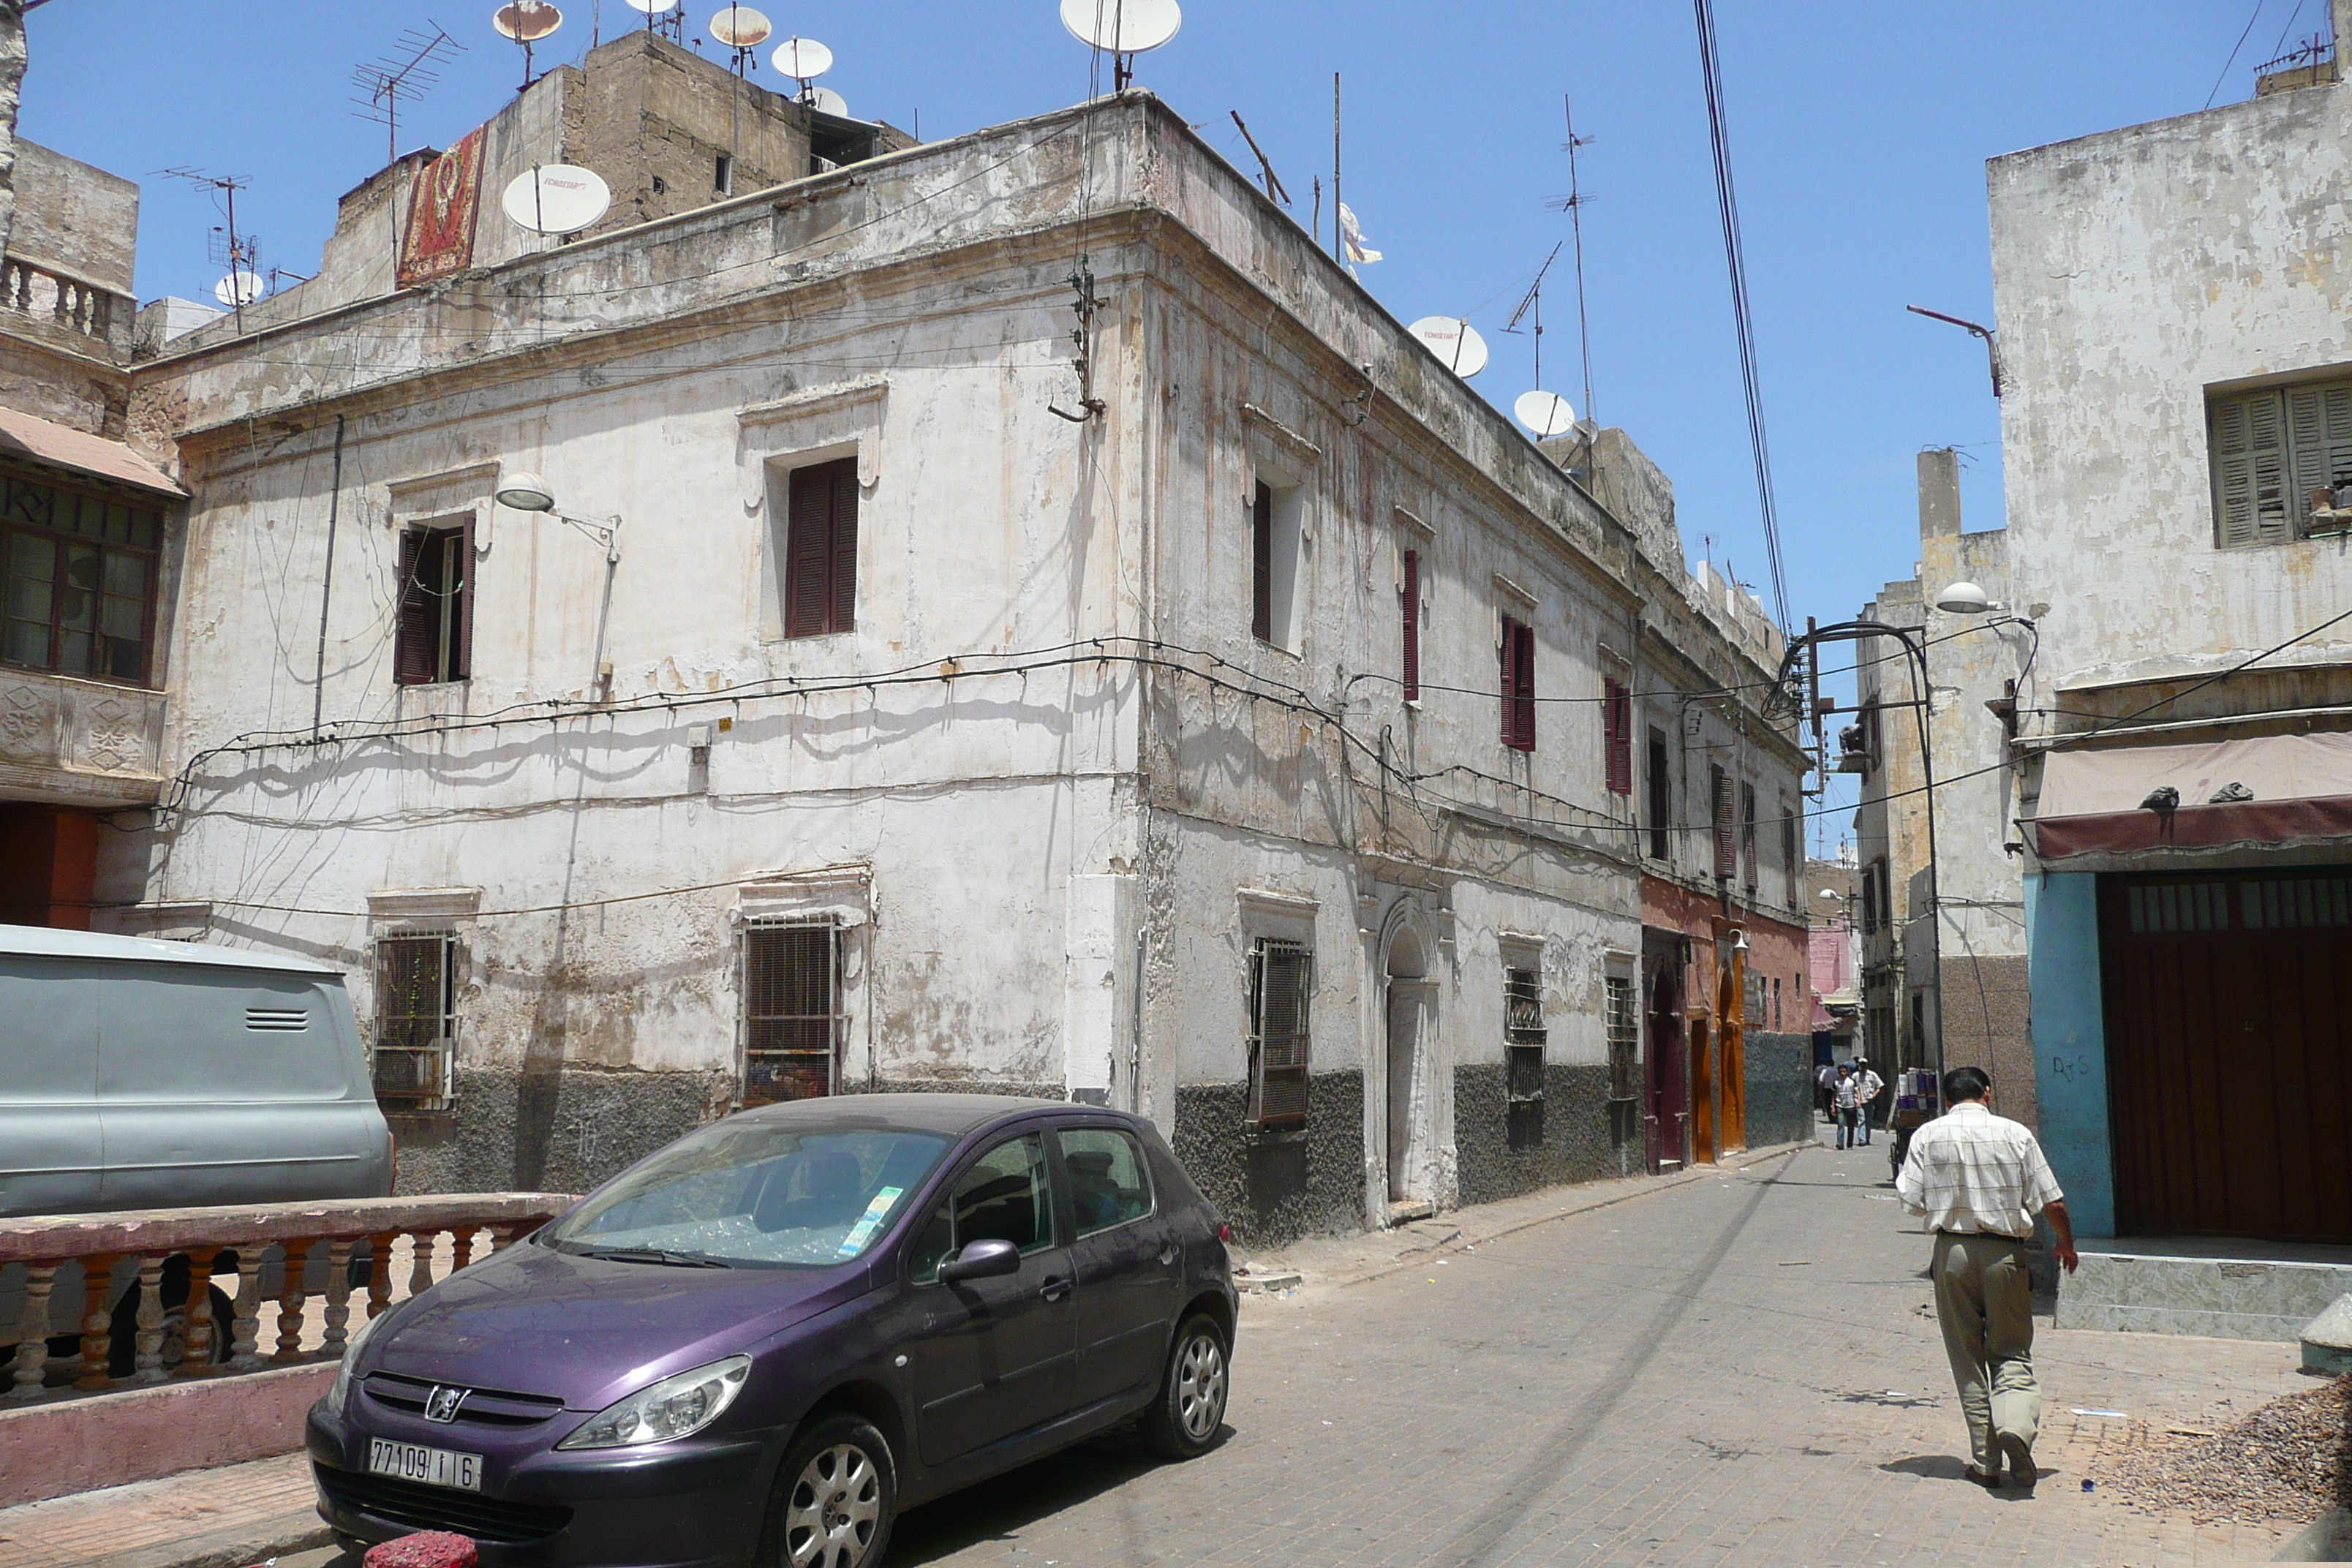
(990, 1258)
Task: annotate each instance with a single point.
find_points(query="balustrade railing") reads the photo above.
(47, 293)
(302, 1264)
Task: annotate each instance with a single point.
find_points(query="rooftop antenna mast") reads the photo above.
(1274, 187)
(243, 285)
(526, 22)
(1531, 304)
(405, 74)
(665, 17)
(1572, 204)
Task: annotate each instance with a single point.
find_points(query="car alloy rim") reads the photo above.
(834, 1509)
(1201, 1387)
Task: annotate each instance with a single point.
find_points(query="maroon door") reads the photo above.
(2229, 1025)
(1668, 1109)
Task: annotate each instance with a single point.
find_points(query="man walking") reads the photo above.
(1866, 1086)
(1979, 1179)
(1842, 1104)
(1825, 1091)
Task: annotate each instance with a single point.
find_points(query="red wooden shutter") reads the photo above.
(808, 554)
(1526, 703)
(1262, 563)
(1411, 625)
(415, 626)
(1511, 678)
(1518, 671)
(1726, 846)
(843, 575)
(1617, 734)
(461, 661)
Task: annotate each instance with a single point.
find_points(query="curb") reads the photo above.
(255, 1542)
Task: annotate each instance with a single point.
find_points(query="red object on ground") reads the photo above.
(428, 1549)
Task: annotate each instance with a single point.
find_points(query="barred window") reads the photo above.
(1625, 1036)
(1523, 1046)
(792, 1011)
(417, 1019)
(1282, 984)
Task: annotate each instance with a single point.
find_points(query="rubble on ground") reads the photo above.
(2289, 1461)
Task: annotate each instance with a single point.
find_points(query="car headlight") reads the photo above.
(342, 1392)
(673, 1408)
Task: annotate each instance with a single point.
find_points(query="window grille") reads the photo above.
(821, 550)
(1523, 1043)
(416, 1020)
(1727, 844)
(1625, 1036)
(433, 638)
(792, 1011)
(1282, 986)
(1617, 735)
(78, 576)
(1518, 672)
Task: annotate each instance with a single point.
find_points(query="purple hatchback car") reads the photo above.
(759, 1344)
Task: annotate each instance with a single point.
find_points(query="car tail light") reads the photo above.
(1224, 1231)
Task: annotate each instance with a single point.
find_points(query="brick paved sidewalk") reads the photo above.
(203, 1518)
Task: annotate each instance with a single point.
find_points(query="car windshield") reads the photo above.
(759, 1193)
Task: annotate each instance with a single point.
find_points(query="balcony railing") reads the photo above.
(303, 1266)
(69, 303)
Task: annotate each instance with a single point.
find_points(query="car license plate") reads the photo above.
(434, 1466)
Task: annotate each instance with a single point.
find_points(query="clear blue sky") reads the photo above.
(1859, 133)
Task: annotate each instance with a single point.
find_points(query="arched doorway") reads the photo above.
(1411, 1027)
(1668, 1113)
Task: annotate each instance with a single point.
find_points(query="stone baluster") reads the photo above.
(246, 1326)
(20, 286)
(462, 1249)
(196, 1315)
(33, 1332)
(97, 1326)
(292, 1296)
(338, 1300)
(420, 1269)
(149, 1366)
(503, 1236)
(379, 1290)
(61, 306)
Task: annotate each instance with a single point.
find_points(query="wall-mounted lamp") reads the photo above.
(525, 491)
(1965, 598)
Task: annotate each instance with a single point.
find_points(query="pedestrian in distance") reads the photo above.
(1867, 1086)
(1842, 1101)
(1825, 1091)
(1979, 1179)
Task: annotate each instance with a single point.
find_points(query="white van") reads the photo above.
(138, 1074)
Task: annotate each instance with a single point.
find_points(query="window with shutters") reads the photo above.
(1662, 797)
(1276, 527)
(434, 640)
(416, 1020)
(1282, 986)
(1727, 841)
(1617, 735)
(1748, 836)
(77, 573)
(1409, 591)
(1790, 840)
(1873, 896)
(821, 550)
(1518, 672)
(791, 1010)
(1523, 1044)
(2271, 451)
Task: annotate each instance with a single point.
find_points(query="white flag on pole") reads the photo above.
(1353, 236)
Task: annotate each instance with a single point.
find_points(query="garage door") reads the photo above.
(2229, 1023)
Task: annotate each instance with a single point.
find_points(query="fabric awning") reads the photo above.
(62, 446)
(2302, 788)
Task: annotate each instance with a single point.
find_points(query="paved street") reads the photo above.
(1742, 1369)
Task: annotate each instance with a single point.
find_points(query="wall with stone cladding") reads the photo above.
(1779, 1088)
(600, 1123)
(1579, 1142)
(1277, 1188)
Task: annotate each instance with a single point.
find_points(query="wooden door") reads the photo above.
(1669, 1096)
(1702, 1091)
(2229, 1035)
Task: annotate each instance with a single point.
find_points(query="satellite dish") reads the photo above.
(1545, 412)
(1122, 27)
(654, 7)
(556, 199)
(740, 27)
(825, 101)
(527, 21)
(801, 59)
(1450, 339)
(240, 288)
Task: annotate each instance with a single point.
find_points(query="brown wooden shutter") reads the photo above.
(2320, 435)
(1748, 835)
(1411, 625)
(1519, 686)
(809, 587)
(2250, 464)
(1509, 676)
(416, 628)
(1617, 734)
(1727, 844)
(1661, 795)
(843, 572)
(1262, 563)
(461, 658)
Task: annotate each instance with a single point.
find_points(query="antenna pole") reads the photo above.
(1576, 229)
(1274, 187)
(1339, 225)
(235, 283)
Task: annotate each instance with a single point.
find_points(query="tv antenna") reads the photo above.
(667, 18)
(526, 22)
(1273, 188)
(227, 247)
(405, 74)
(1122, 29)
(1572, 204)
(1531, 304)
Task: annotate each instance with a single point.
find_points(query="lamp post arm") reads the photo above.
(607, 534)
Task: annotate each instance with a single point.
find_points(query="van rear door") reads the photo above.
(50, 1140)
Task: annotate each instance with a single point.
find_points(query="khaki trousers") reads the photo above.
(1984, 1300)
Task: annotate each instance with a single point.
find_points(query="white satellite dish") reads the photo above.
(801, 59)
(1122, 27)
(1545, 412)
(825, 101)
(527, 21)
(556, 199)
(240, 288)
(1450, 339)
(740, 27)
(654, 7)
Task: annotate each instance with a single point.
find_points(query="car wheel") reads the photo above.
(1183, 1422)
(836, 1498)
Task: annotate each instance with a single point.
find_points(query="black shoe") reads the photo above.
(1989, 1481)
(2019, 1456)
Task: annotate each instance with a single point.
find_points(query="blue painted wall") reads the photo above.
(2070, 1043)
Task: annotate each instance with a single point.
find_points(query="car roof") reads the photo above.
(950, 1115)
(45, 941)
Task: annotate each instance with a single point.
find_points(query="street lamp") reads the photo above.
(525, 491)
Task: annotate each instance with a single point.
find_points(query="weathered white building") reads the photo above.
(2177, 432)
(1014, 615)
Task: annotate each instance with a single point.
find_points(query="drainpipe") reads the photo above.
(327, 583)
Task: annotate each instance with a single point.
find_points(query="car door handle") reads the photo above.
(1055, 1288)
(1167, 1254)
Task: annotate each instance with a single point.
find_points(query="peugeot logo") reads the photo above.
(441, 1403)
